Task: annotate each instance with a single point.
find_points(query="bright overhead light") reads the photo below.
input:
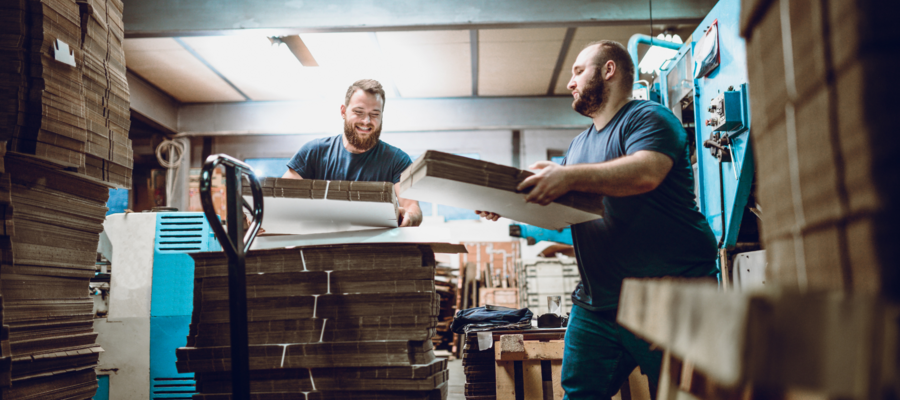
(267, 71)
(657, 57)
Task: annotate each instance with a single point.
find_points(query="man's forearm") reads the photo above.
(626, 176)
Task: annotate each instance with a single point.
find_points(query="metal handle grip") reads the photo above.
(256, 211)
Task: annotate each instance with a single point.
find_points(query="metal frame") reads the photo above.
(235, 243)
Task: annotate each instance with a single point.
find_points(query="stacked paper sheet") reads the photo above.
(293, 206)
(74, 115)
(327, 322)
(480, 185)
(53, 219)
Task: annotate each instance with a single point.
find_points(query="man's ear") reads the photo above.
(343, 111)
(610, 70)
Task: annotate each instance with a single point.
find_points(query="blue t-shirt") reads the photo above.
(327, 159)
(658, 233)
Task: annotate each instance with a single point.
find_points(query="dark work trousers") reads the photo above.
(600, 354)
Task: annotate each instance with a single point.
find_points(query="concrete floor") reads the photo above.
(457, 381)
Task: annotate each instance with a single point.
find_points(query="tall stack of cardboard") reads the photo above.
(824, 140)
(13, 74)
(335, 322)
(109, 156)
(48, 262)
(54, 113)
(76, 116)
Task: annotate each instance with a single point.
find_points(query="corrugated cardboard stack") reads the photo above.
(330, 322)
(459, 181)
(13, 74)
(54, 114)
(76, 116)
(378, 192)
(824, 140)
(109, 156)
(46, 270)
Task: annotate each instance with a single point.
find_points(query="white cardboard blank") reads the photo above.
(508, 204)
(430, 236)
(309, 216)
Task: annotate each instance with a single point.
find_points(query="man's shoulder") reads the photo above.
(641, 109)
(323, 141)
(390, 151)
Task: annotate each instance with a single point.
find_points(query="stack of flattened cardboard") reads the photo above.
(13, 74)
(54, 114)
(47, 263)
(294, 206)
(480, 185)
(108, 153)
(382, 192)
(74, 115)
(824, 141)
(335, 322)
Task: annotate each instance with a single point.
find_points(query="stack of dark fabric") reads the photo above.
(325, 322)
(109, 156)
(48, 261)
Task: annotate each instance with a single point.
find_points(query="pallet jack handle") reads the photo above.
(235, 243)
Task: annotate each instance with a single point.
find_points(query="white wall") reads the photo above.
(534, 143)
(492, 145)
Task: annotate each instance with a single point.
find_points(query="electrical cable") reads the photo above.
(175, 152)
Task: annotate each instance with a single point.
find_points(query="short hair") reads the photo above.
(614, 51)
(370, 86)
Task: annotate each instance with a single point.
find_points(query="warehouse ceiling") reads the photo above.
(410, 64)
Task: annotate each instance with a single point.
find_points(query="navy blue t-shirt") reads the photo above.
(327, 159)
(658, 233)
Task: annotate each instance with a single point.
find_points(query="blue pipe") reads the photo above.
(640, 38)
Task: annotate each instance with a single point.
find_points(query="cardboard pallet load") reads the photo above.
(309, 206)
(824, 141)
(327, 322)
(56, 218)
(480, 185)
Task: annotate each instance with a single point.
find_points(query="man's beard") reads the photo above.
(591, 98)
(363, 144)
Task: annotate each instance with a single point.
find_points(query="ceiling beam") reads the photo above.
(473, 48)
(401, 115)
(173, 18)
(561, 59)
(152, 105)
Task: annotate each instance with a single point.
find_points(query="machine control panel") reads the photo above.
(725, 112)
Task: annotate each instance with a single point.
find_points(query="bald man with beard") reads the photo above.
(636, 154)
(358, 154)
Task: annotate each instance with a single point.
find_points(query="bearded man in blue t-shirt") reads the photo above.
(637, 155)
(358, 154)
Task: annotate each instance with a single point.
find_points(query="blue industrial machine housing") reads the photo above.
(534, 234)
(171, 302)
(722, 129)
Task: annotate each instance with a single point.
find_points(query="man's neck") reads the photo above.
(349, 147)
(609, 109)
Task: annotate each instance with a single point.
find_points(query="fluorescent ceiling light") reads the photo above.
(657, 57)
(271, 72)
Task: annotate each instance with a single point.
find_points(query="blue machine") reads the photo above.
(150, 260)
(535, 234)
(172, 297)
(721, 117)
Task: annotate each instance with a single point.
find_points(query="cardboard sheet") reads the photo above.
(508, 204)
(310, 216)
(438, 239)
